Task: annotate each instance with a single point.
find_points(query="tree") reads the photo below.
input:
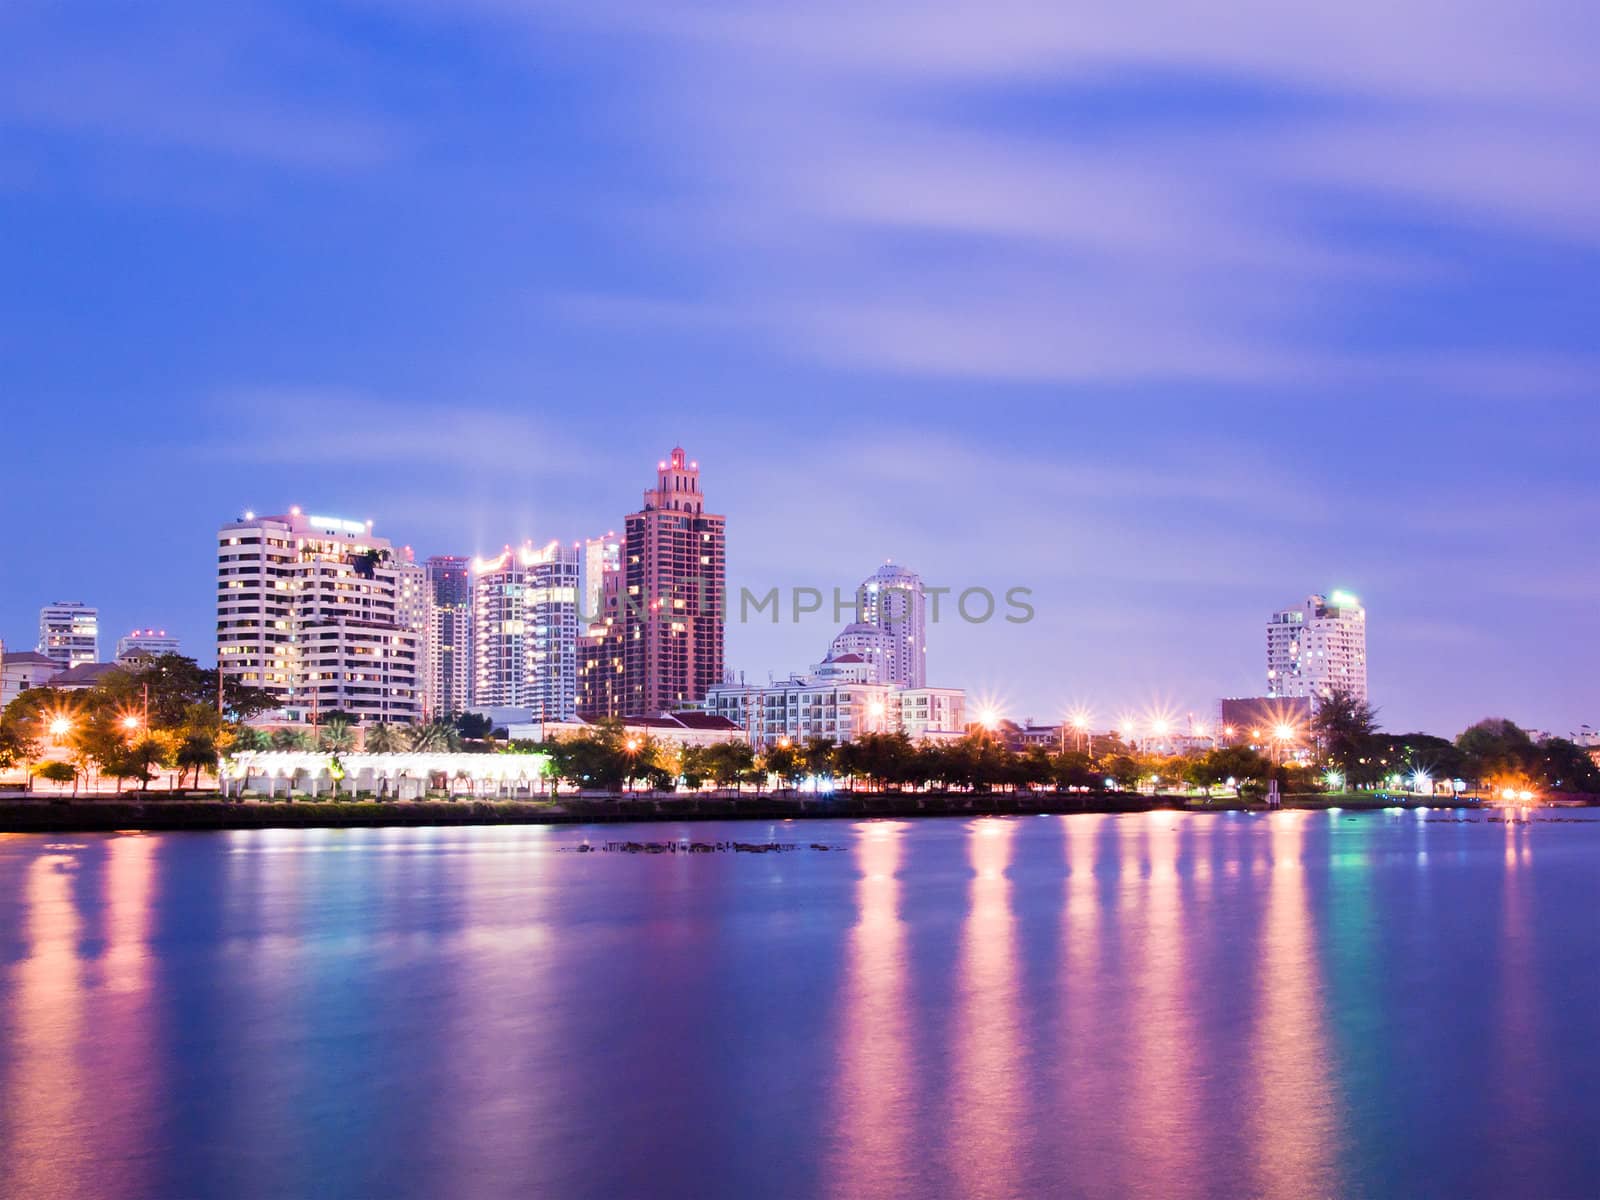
(384, 739)
(58, 772)
(18, 746)
(337, 736)
(289, 739)
(248, 737)
(786, 762)
(1495, 752)
(1343, 726)
(474, 727)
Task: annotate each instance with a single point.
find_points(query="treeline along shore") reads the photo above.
(129, 812)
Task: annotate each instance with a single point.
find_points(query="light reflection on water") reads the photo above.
(1157, 1005)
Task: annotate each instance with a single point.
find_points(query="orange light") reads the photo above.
(130, 722)
(60, 727)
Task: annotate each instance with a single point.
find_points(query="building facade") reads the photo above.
(1318, 647)
(837, 705)
(21, 670)
(602, 556)
(891, 626)
(316, 610)
(601, 672)
(69, 633)
(145, 643)
(525, 630)
(447, 688)
(674, 575)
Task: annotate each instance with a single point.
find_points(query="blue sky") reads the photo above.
(1174, 315)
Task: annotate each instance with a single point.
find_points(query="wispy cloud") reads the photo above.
(843, 174)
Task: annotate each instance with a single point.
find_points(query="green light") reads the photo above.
(1344, 599)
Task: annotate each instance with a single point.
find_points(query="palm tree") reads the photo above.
(248, 737)
(290, 739)
(384, 739)
(433, 737)
(338, 736)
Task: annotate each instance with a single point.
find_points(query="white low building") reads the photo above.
(837, 699)
(403, 776)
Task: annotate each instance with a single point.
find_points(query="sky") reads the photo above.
(1173, 313)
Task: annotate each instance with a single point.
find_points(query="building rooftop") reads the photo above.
(28, 658)
(84, 675)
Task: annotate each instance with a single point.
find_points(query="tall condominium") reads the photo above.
(69, 633)
(525, 630)
(320, 612)
(674, 577)
(448, 686)
(600, 657)
(891, 627)
(602, 556)
(145, 643)
(1317, 647)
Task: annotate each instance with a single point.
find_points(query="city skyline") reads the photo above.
(1110, 705)
(1172, 326)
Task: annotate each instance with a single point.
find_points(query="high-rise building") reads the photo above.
(601, 556)
(891, 628)
(674, 577)
(1318, 647)
(600, 657)
(525, 630)
(145, 643)
(320, 612)
(448, 686)
(69, 633)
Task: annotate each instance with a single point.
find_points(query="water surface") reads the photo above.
(1159, 1005)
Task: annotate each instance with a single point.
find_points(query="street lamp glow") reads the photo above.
(989, 718)
(60, 727)
(1080, 721)
(1285, 733)
(1159, 727)
(130, 722)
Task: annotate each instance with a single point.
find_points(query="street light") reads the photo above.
(60, 727)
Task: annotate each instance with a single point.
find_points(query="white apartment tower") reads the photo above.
(891, 627)
(69, 633)
(1317, 647)
(322, 613)
(525, 630)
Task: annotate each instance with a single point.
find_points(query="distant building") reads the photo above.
(830, 702)
(145, 643)
(674, 578)
(601, 663)
(677, 729)
(1246, 719)
(69, 633)
(83, 676)
(447, 686)
(320, 612)
(21, 670)
(525, 630)
(890, 630)
(1318, 647)
(602, 556)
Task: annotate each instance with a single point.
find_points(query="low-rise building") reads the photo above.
(21, 670)
(833, 700)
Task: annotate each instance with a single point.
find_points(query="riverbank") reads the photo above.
(132, 813)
